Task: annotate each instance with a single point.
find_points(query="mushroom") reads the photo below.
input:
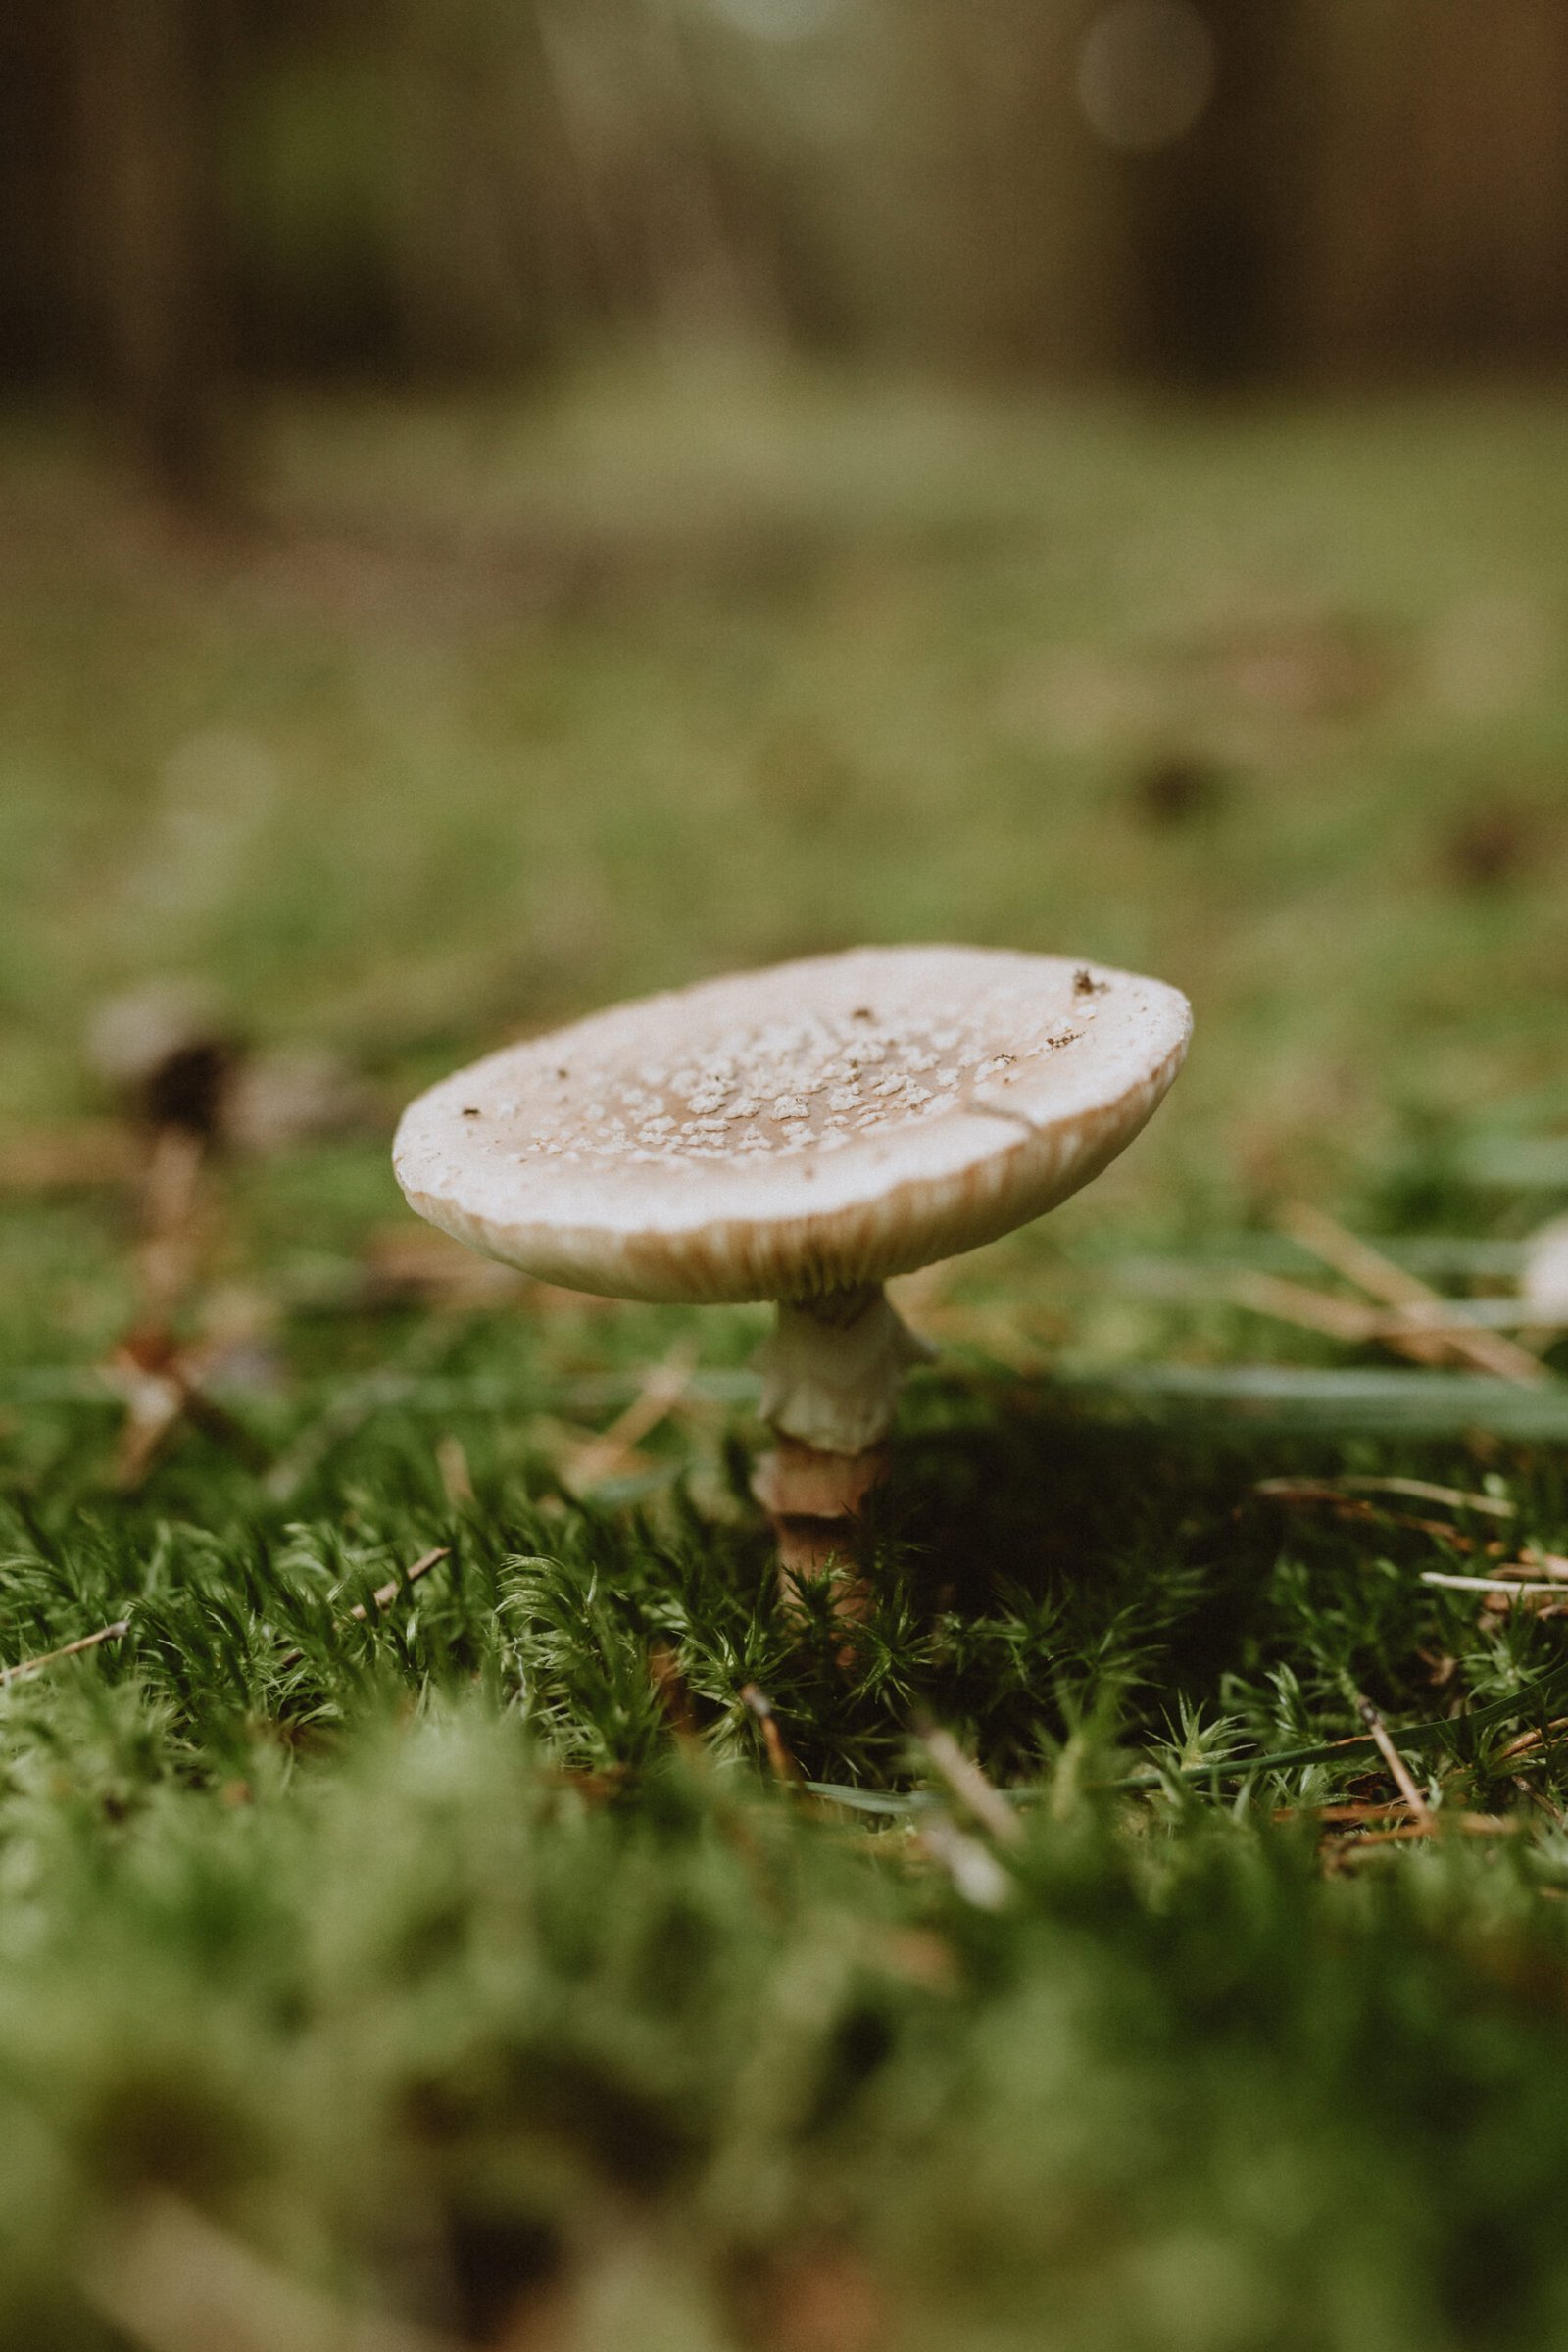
(799, 1135)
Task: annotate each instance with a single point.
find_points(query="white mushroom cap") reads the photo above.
(784, 1132)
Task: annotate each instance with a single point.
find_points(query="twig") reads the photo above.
(72, 1649)
(1367, 1267)
(154, 1404)
(781, 1763)
(670, 1689)
(1398, 1769)
(160, 1387)
(384, 1595)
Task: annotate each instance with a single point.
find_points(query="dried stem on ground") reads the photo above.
(1445, 1343)
(70, 1649)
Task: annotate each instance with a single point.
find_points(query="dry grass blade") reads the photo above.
(1426, 1331)
(1358, 1260)
(161, 1388)
(1360, 1508)
(457, 1479)
(1313, 1310)
(155, 1406)
(1377, 1808)
(1398, 1769)
(969, 1785)
(72, 1649)
(1421, 1490)
(82, 1156)
(1460, 1321)
(993, 1330)
(1372, 1825)
(614, 1450)
(1418, 1489)
(170, 2280)
(1367, 1267)
(1512, 1588)
(1403, 1833)
(976, 1874)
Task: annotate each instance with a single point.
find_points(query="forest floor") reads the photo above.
(444, 1903)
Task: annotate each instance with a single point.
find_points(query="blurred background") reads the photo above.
(202, 197)
(507, 502)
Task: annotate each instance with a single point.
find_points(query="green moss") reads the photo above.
(450, 1957)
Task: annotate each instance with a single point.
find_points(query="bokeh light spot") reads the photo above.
(1146, 73)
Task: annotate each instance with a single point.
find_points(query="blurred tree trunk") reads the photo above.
(995, 211)
(475, 186)
(1211, 218)
(1438, 224)
(486, 265)
(150, 82)
(34, 311)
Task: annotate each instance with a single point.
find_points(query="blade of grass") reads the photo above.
(1432, 1733)
(1357, 1397)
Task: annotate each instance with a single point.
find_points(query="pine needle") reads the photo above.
(1367, 1267)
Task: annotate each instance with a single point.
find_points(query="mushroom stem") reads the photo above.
(830, 1379)
(832, 1367)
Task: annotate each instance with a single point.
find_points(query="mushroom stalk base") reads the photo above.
(831, 1373)
(814, 1501)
